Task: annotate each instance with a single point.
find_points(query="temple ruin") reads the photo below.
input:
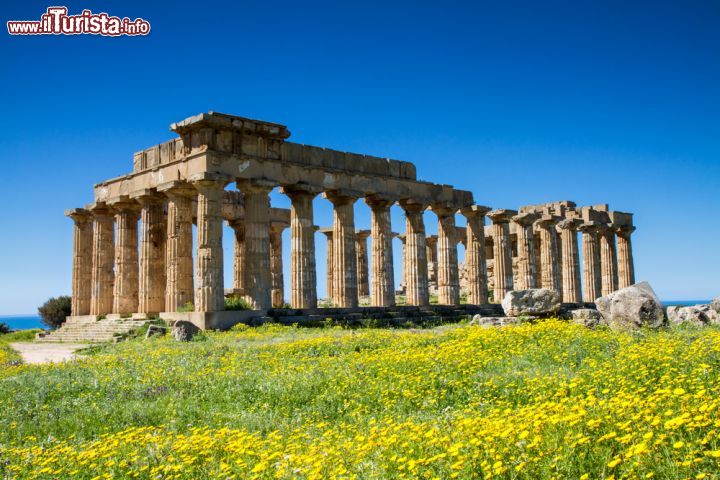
(134, 253)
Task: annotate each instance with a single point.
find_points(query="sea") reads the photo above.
(23, 322)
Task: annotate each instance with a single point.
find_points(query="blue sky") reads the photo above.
(519, 102)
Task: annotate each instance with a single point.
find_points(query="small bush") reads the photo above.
(188, 307)
(4, 328)
(54, 311)
(237, 303)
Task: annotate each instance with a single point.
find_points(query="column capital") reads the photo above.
(624, 231)
(98, 209)
(501, 215)
(402, 237)
(474, 211)
(569, 224)
(300, 189)
(342, 196)
(380, 200)
(210, 180)
(278, 227)
(79, 215)
(255, 185)
(431, 240)
(177, 188)
(590, 227)
(362, 234)
(412, 205)
(443, 209)
(526, 219)
(147, 196)
(327, 231)
(548, 221)
(124, 204)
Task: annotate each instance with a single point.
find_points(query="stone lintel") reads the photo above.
(203, 178)
(526, 218)
(224, 121)
(501, 215)
(620, 219)
(548, 220)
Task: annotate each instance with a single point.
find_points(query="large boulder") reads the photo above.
(588, 317)
(534, 302)
(184, 331)
(695, 314)
(632, 307)
(715, 304)
(488, 322)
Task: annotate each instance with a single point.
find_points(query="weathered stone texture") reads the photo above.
(632, 307)
(383, 278)
(536, 301)
(345, 290)
(82, 260)
(416, 286)
(103, 274)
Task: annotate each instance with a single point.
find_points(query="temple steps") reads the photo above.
(105, 330)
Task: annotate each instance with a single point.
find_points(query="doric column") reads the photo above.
(526, 258)
(416, 279)
(570, 260)
(382, 292)
(592, 283)
(345, 287)
(82, 260)
(502, 252)
(277, 296)
(549, 257)
(303, 275)
(329, 273)
(125, 292)
(209, 278)
(432, 259)
(608, 260)
(361, 252)
(403, 273)
(103, 259)
(258, 281)
(153, 238)
(238, 227)
(448, 278)
(178, 245)
(475, 262)
(626, 267)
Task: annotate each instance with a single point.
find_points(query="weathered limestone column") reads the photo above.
(361, 251)
(178, 247)
(432, 259)
(329, 274)
(209, 286)
(592, 280)
(475, 262)
(303, 276)
(153, 236)
(526, 257)
(608, 260)
(82, 260)
(570, 260)
(125, 294)
(403, 274)
(448, 277)
(549, 257)
(382, 292)
(345, 287)
(238, 227)
(626, 267)
(103, 275)
(277, 296)
(416, 286)
(502, 252)
(258, 281)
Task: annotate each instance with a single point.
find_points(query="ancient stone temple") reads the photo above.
(135, 254)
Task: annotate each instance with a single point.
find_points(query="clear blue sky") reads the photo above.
(520, 102)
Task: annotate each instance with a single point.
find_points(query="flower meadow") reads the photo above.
(544, 400)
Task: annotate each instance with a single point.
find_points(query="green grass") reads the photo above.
(8, 356)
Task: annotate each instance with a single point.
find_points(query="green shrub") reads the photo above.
(54, 311)
(4, 328)
(188, 307)
(237, 303)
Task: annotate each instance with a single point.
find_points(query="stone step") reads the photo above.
(105, 330)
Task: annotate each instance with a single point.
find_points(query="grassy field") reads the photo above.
(550, 400)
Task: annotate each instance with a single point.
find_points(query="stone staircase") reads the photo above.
(93, 331)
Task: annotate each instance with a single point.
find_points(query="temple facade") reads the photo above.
(134, 252)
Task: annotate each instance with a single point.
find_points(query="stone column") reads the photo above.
(592, 283)
(258, 281)
(570, 260)
(431, 254)
(153, 236)
(526, 257)
(277, 296)
(103, 274)
(238, 227)
(475, 262)
(502, 252)
(448, 277)
(125, 294)
(549, 258)
(178, 246)
(416, 286)
(303, 276)
(361, 251)
(345, 287)
(82, 260)
(403, 273)
(329, 274)
(608, 260)
(383, 276)
(626, 267)
(209, 278)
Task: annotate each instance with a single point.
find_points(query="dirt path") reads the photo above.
(46, 352)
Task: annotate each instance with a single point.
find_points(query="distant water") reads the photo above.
(673, 303)
(22, 322)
